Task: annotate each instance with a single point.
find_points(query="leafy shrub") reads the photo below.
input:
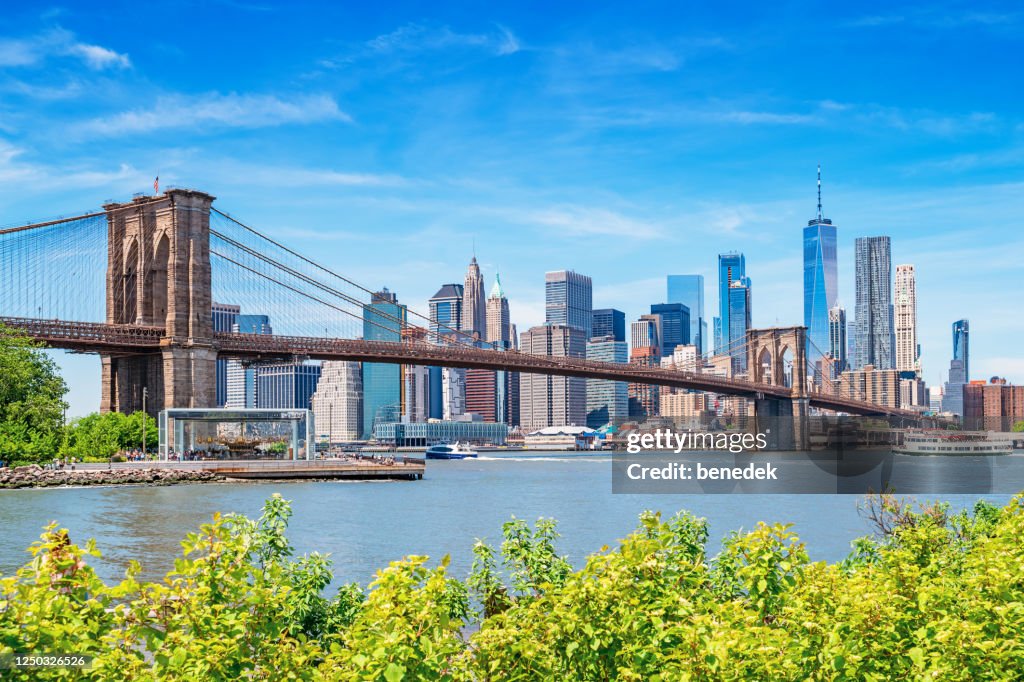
(935, 595)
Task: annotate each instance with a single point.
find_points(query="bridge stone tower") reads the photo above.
(158, 274)
(766, 363)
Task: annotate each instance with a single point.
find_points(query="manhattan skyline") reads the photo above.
(622, 147)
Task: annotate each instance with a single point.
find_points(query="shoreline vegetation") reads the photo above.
(931, 595)
(35, 476)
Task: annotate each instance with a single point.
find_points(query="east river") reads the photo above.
(366, 525)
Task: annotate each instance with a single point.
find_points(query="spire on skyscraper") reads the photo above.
(819, 192)
(496, 290)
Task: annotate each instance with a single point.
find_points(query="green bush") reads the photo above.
(934, 595)
(31, 400)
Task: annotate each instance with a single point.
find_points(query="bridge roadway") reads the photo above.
(91, 337)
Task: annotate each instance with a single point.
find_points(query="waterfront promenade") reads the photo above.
(342, 468)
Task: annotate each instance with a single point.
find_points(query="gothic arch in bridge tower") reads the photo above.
(778, 357)
(130, 285)
(157, 283)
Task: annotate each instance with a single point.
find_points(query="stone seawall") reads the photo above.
(39, 477)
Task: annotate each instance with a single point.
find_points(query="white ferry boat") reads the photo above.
(454, 450)
(955, 443)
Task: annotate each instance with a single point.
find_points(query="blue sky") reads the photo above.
(626, 143)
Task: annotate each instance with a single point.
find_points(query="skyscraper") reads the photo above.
(731, 267)
(552, 400)
(609, 322)
(499, 324)
(874, 345)
(447, 384)
(446, 311)
(607, 401)
(675, 325)
(241, 379)
(383, 320)
(905, 314)
(739, 299)
(224, 316)
(288, 386)
(416, 394)
(338, 402)
(961, 334)
(568, 300)
(689, 290)
(474, 312)
(645, 335)
(500, 337)
(837, 343)
(820, 280)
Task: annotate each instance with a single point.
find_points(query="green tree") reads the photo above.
(99, 436)
(1019, 427)
(31, 400)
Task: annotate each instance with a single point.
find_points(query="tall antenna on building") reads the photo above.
(819, 192)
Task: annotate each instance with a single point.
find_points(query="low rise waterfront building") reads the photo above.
(400, 434)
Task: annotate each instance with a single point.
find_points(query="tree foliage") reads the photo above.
(99, 436)
(31, 400)
(934, 595)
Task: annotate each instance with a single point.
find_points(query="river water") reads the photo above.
(366, 525)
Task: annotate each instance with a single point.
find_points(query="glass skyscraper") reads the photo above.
(675, 326)
(739, 322)
(820, 280)
(288, 386)
(609, 322)
(568, 300)
(446, 311)
(837, 343)
(874, 329)
(689, 290)
(383, 320)
(731, 267)
(607, 401)
(961, 337)
(241, 379)
(224, 315)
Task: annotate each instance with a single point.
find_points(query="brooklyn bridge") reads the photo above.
(136, 281)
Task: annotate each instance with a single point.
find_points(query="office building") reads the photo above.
(568, 300)
(446, 312)
(953, 393)
(416, 393)
(732, 267)
(739, 322)
(501, 336)
(961, 347)
(820, 280)
(241, 378)
(995, 406)
(874, 303)
(499, 324)
(875, 385)
(905, 320)
(383, 320)
(288, 386)
(474, 306)
(645, 334)
(338, 402)
(224, 316)
(552, 400)
(609, 322)
(689, 290)
(675, 325)
(607, 401)
(837, 342)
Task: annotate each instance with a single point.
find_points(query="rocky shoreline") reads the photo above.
(35, 476)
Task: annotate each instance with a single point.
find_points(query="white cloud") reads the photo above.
(216, 110)
(412, 38)
(15, 52)
(582, 221)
